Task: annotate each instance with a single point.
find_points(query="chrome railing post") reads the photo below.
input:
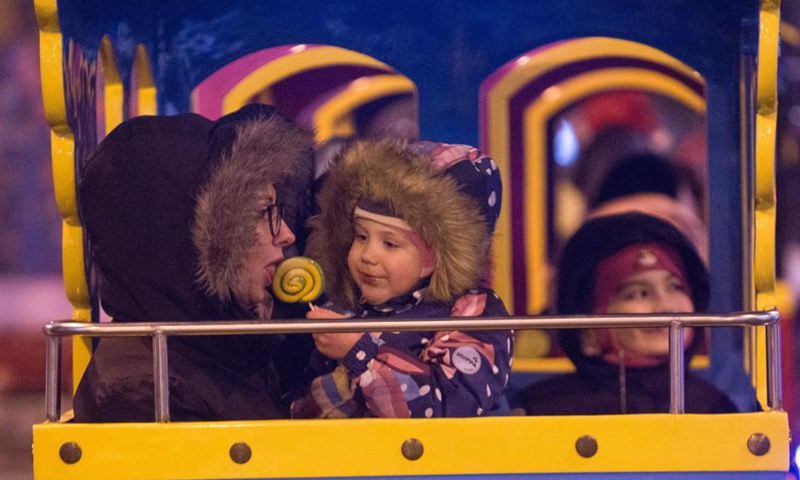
(676, 368)
(161, 375)
(774, 381)
(52, 391)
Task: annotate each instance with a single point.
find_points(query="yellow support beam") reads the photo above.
(302, 59)
(764, 190)
(62, 147)
(145, 86)
(334, 118)
(113, 91)
(471, 446)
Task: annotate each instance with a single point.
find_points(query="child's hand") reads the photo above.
(335, 345)
(332, 345)
(319, 313)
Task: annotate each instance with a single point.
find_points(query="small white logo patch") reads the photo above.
(467, 360)
(646, 258)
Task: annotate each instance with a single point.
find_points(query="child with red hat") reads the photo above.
(625, 263)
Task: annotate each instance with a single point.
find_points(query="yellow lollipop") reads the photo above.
(298, 279)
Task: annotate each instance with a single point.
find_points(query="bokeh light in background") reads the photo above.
(31, 234)
(31, 290)
(565, 144)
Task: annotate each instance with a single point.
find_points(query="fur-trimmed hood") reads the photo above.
(392, 173)
(265, 150)
(168, 204)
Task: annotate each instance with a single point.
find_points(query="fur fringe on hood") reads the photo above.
(265, 150)
(429, 200)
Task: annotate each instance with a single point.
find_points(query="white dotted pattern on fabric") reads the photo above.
(366, 378)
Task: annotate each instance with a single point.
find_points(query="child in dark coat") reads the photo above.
(625, 263)
(404, 232)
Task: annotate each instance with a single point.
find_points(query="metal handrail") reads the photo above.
(161, 331)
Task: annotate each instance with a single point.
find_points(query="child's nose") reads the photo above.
(368, 253)
(662, 305)
(665, 303)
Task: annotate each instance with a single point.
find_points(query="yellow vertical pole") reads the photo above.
(764, 194)
(145, 86)
(113, 91)
(62, 151)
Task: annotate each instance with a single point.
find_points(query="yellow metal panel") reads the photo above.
(334, 118)
(114, 93)
(73, 265)
(62, 151)
(364, 447)
(77, 292)
(527, 68)
(543, 365)
(564, 365)
(62, 147)
(145, 87)
(147, 101)
(114, 97)
(498, 148)
(764, 194)
(284, 67)
(50, 62)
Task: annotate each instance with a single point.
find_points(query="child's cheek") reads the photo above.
(352, 260)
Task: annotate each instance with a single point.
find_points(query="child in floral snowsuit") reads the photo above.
(404, 232)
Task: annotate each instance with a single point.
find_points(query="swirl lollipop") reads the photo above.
(298, 279)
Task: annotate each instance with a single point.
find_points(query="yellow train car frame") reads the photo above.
(746, 445)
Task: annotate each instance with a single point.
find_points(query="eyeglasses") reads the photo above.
(274, 214)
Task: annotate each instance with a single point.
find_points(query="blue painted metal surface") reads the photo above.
(448, 48)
